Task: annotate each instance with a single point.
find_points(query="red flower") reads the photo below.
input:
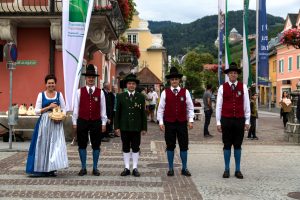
(291, 37)
(128, 47)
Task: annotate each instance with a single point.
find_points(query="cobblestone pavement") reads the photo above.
(270, 166)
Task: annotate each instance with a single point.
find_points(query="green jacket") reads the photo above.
(130, 115)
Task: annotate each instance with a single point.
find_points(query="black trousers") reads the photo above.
(92, 127)
(252, 130)
(208, 114)
(285, 118)
(177, 130)
(131, 139)
(232, 132)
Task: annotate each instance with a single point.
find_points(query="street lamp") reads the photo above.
(184, 80)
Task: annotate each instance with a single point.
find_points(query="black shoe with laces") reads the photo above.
(170, 172)
(226, 174)
(238, 174)
(96, 172)
(186, 172)
(125, 172)
(136, 173)
(82, 172)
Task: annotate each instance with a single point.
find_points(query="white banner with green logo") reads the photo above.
(76, 20)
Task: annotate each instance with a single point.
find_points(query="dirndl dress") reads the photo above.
(48, 151)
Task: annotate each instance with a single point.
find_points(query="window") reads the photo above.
(274, 65)
(290, 64)
(298, 62)
(281, 66)
(132, 38)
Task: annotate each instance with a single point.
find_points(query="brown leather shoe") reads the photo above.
(238, 174)
(226, 174)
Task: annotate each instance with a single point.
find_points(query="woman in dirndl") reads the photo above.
(48, 151)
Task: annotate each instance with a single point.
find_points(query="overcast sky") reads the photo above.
(186, 11)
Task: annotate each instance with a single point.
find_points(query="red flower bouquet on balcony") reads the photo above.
(128, 47)
(102, 8)
(291, 37)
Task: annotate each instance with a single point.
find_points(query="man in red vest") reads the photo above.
(89, 118)
(175, 113)
(233, 117)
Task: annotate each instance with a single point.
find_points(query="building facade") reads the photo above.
(288, 60)
(36, 28)
(152, 52)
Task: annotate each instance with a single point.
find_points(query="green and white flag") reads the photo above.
(227, 50)
(247, 76)
(76, 20)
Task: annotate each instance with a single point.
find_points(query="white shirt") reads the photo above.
(162, 104)
(220, 103)
(77, 102)
(131, 92)
(38, 104)
(152, 96)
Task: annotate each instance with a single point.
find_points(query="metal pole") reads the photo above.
(270, 88)
(257, 38)
(10, 105)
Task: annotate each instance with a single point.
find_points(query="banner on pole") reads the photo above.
(227, 49)
(76, 19)
(263, 52)
(221, 33)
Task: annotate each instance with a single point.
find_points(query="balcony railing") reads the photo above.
(124, 57)
(30, 7)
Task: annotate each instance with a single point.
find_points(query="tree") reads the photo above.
(192, 68)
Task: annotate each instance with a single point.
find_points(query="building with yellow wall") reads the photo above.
(153, 53)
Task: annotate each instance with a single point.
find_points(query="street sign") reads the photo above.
(10, 52)
(26, 62)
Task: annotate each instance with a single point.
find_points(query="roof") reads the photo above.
(293, 17)
(146, 76)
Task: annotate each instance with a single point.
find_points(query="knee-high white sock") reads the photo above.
(126, 157)
(135, 159)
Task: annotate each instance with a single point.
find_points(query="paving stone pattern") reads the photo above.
(268, 179)
(153, 183)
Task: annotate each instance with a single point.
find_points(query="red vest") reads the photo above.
(233, 101)
(89, 107)
(175, 108)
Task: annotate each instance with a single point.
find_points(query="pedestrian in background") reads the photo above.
(254, 115)
(207, 101)
(233, 117)
(286, 107)
(48, 151)
(109, 101)
(152, 97)
(131, 123)
(175, 115)
(89, 118)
